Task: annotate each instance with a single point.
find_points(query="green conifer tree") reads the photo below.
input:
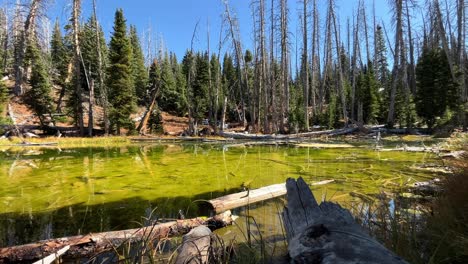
(38, 98)
(200, 86)
(90, 53)
(436, 91)
(169, 100)
(139, 72)
(60, 55)
(119, 76)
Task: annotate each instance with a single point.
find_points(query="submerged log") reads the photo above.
(92, 244)
(327, 233)
(240, 199)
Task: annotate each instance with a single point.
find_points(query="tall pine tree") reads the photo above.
(90, 52)
(38, 98)
(139, 72)
(119, 76)
(436, 92)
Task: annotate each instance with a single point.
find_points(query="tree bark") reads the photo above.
(396, 61)
(305, 68)
(24, 41)
(102, 89)
(93, 244)
(327, 233)
(91, 111)
(76, 64)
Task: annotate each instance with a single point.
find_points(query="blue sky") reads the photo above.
(174, 20)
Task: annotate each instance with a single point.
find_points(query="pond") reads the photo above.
(53, 192)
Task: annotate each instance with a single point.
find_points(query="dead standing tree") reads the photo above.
(24, 39)
(103, 90)
(241, 69)
(284, 78)
(304, 64)
(78, 106)
(398, 59)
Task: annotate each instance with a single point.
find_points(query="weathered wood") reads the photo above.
(335, 132)
(414, 149)
(195, 246)
(327, 233)
(51, 258)
(92, 244)
(240, 199)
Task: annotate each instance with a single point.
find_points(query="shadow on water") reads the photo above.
(16, 229)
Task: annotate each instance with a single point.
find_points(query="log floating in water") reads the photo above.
(92, 244)
(240, 199)
(327, 233)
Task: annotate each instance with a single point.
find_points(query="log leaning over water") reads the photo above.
(92, 244)
(236, 200)
(327, 233)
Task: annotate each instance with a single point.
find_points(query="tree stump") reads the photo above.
(195, 247)
(327, 233)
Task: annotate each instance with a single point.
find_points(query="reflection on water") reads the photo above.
(48, 193)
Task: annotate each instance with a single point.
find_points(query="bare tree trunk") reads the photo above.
(5, 42)
(366, 36)
(241, 71)
(90, 111)
(263, 68)
(354, 66)
(314, 69)
(443, 37)
(396, 61)
(77, 62)
(211, 114)
(192, 125)
(144, 121)
(24, 41)
(305, 68)
(218, 81)
(223, 114)
(272, 93)
(340, 68)
(103, 90)
(412, 65)
(462, 61)
(284, 64)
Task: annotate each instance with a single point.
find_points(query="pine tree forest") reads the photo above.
(329, 72)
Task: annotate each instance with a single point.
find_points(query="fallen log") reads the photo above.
(51, 258)
(92, 244)
(240, 199)
(195, 246)
(414, 149)
(334, 132)
(327, 233)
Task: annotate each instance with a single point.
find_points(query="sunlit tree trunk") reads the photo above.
(25, 37)
(76, 64)
(304, 62)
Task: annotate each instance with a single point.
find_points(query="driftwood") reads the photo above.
(327, 233)
(335, 132)
(414, 149)
(51, 258)
(236, 200)
(29, 144)
(195, 246)
(92, 244)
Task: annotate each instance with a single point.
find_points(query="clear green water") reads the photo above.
(53, 193)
